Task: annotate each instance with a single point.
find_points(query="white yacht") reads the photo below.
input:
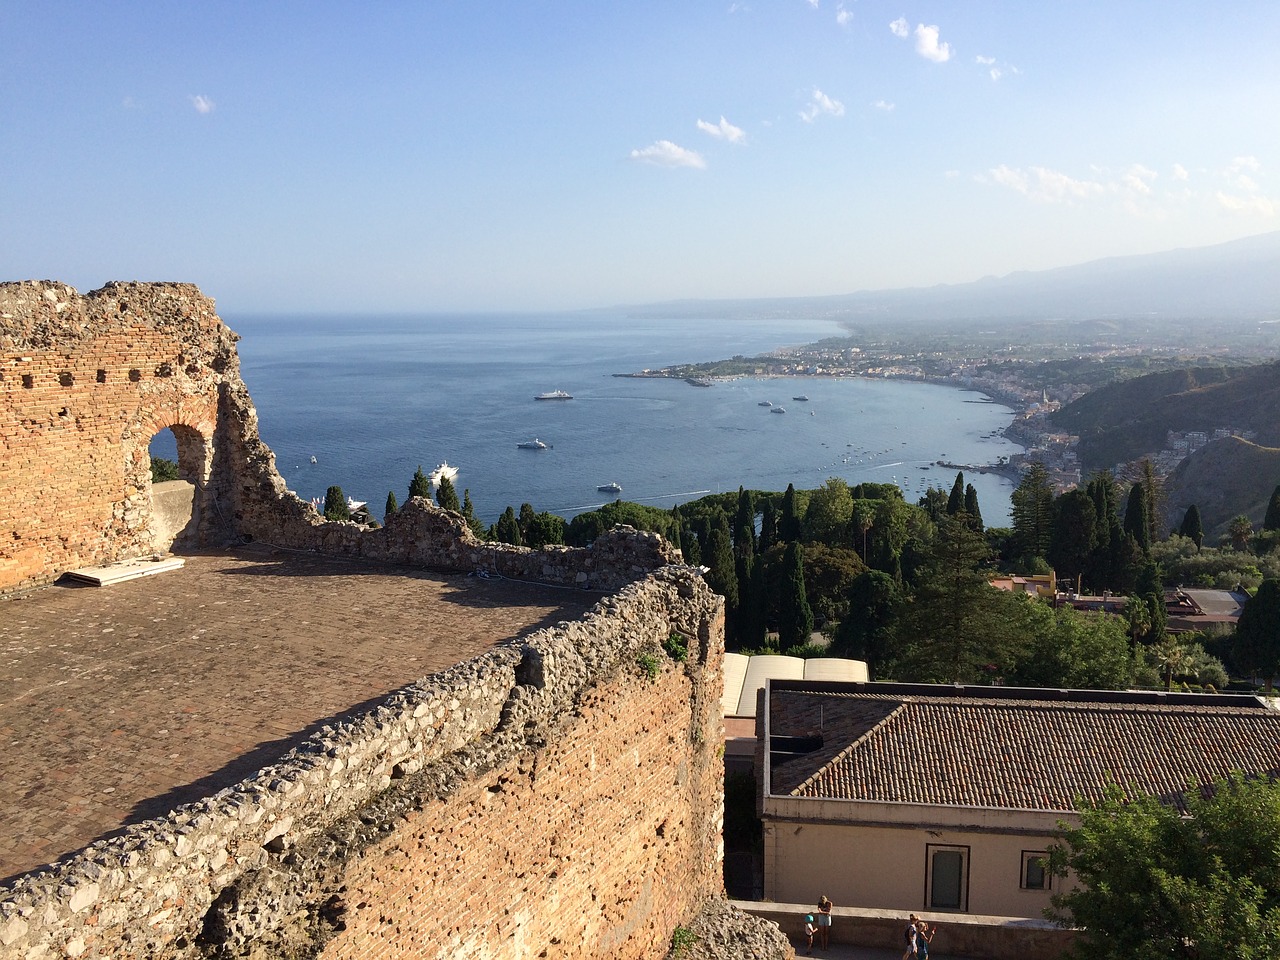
(610, 488)
(554, 395)
(442, 471)
(534, 444)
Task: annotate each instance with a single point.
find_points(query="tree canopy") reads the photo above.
(1154, 884)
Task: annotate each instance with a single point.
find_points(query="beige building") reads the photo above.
(945, 798)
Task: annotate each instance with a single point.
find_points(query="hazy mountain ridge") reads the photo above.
(1238, 280)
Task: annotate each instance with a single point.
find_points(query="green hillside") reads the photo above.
(1224, 479)
(1129, 420)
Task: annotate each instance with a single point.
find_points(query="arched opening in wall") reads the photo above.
(179, 467)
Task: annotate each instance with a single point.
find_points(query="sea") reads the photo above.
(363, 401)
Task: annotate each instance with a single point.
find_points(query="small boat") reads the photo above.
(442, 471)
(778, 410)
(765, 403)
(801, 398)
(314, 460)
(554, 395)
(534, 444)
(610, 488)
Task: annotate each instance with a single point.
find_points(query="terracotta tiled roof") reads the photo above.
(1010, 753)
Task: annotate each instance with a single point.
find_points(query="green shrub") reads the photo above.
(649, 664)
(677, 647)
(162, 470)
(682, 938)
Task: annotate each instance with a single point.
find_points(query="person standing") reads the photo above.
(924, 937)
(824, 922)
(911, 936)
(809, 930)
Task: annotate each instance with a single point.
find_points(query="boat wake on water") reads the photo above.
(596, 506)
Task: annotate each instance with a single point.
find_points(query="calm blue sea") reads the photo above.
(373, 397)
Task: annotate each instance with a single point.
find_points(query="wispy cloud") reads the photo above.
(844, 16)
(1255, 204)
(1180, 172)
(928, 45)
(885, 105)
(1044, 185)
(820, 104)
(1139, 178)
(202, 103)
(664, 153)
(724, 130)
(985, 61)
(900, 28)
(813, 3)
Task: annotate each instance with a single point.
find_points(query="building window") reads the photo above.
(1035, 875)
(946, 877)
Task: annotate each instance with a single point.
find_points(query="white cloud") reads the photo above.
(1244, 163)
(724, 130)
(951, 174)
(996, 73)
(985, 61)
(1046, 186)
(1138, 179)
(1180, 172)
(202, 103)
(821, 104)
(664, 153)
(927, 44)
(813, 3)
(1246, 205)
(843, 17)
(885, 105)
(900, 28)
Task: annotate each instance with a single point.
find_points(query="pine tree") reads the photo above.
(1075, 525)
(1032, 513)
(795, 617)
(507, 529)
(447, 496)
(955, 502)
(1135, 517)
(1191, 527)
(469, 513)
(391, 506)
(420, 486)
(335, 504)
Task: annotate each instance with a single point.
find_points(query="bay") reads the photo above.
(373, 397)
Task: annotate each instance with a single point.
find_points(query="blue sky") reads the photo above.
(446, 156)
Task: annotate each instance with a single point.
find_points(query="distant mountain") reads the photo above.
(1239, 280)
(1224, 479)
(1130, 419)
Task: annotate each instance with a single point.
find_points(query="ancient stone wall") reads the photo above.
(559, 796)
(85, 383)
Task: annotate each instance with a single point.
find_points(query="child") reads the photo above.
(809, 930)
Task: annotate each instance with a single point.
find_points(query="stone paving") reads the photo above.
(118, 703)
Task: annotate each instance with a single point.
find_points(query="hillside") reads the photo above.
(1128, 420)
(1223, 479)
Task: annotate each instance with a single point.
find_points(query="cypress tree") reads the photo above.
(420, 486)
(795, 617)
(1257, 637)
(1135, 517)
(723, 575)
(1192, 528)
(526, 518)
(447, 496)
(768, 525)
(1099, 571)
(507, 529)
(955, 502)
(754, 606)
(789, 524)
(335, 504)
(469, 512)
(971, 508)
(744, 523)
(391, 506)
(1272, 520)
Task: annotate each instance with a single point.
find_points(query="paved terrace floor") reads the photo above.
(118, 703)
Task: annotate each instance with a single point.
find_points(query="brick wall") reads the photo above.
(85, 383)
(549, 798)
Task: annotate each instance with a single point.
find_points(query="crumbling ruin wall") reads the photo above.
(560, 796)
(87, 381)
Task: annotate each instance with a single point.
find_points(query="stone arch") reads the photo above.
(168, 515)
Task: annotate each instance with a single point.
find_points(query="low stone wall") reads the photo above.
(559, 796)
(958, 935)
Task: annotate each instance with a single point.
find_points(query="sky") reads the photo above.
(445, 156)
